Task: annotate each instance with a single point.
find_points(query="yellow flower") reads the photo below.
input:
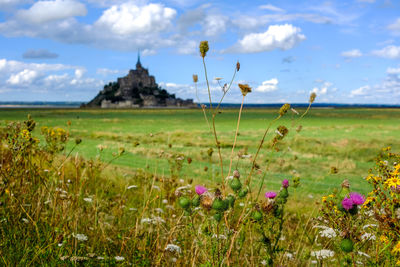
(396, 248)
(367, 201)
(394, 181)
(384, 239)
(324, 199)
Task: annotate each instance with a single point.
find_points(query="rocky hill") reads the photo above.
(137, 89)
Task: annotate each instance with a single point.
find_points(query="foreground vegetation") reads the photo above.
(67, 196)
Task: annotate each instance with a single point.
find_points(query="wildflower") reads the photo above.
(245, 89)
(159, 210)
(204, 48)
(146, 220)
(312, 97)
(368, 236)
(119, 258)
(279, 133)
(173, 248)
(80, 237)
(195, 78)
(236, 174)
(347, 203)
(357, 198)
(392, 182)
(285, 183)
(294, 111)
(322, 254)
(270, 195)
(384, 239)
(396, 248)
(363, 254)
(200, 189)
(284, 109)
(88, 199)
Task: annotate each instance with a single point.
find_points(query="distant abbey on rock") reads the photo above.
(137, 89)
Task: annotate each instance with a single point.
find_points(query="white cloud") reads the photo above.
(188, 48)
(281, 37)
(106, 71)
(351, 54)
(395, 27)
(80, 72)
(24, 77)
(391, 51)
(324, 89)
(129, 19)
(47, 11)
(393, 71)
(214, 25)
(272, 8)
(46, 81)
(268, 86)
(362, 91)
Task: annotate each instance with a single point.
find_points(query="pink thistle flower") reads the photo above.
(285, 183)
(347, 203)
(270, 195)
(357, 198)
(200, 189)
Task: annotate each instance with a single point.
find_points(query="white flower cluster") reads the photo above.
(173, 248)
(323, 254)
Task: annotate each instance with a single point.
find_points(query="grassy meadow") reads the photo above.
(76, 198)
(347, 139)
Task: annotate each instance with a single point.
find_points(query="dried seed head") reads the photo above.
(244, 88)
(284, 109)
(312, 97)
(299, 128)
(195, 78)
(206, 201)
(346, 184)
(218, 193)
(236, 174)
(237, 66)
(204, 48)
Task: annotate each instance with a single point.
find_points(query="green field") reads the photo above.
(348, 139)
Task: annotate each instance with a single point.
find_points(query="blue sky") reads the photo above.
(66, 50)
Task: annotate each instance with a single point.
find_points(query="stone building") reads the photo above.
(137, 89)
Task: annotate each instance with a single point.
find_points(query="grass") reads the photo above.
(347, 139)
(95, 207)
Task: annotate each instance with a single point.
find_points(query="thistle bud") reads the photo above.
(284, 109)
(312, 97)
(244, 88)
(204, 48)
(195, 78)
(237, 66)
(236, 174)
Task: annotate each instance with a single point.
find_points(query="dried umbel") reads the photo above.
(195, 78)
(284, 109)
(204, 48)
(244, 88)
(312, 97)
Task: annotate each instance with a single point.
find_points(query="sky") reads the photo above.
(66, 50)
